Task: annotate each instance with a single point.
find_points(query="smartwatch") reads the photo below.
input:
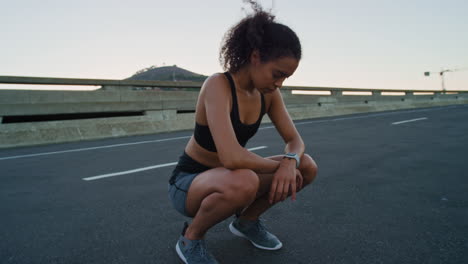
(293, 156)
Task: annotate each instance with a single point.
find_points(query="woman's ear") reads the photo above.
(255, 58)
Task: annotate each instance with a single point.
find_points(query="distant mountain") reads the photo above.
(167, 73)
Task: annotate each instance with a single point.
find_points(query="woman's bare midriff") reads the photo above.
(201, 155)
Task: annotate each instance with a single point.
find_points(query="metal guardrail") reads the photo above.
(170, 84)
(125, 107)
(96, 82)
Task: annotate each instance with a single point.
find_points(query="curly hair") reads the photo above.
(258, 31)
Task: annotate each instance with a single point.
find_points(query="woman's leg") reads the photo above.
(215, 195)
(308, 169)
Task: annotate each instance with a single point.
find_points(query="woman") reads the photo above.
(217, 177)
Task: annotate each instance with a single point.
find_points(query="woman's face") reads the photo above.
(268, 76)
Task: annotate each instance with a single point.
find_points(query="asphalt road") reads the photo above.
(386, 192)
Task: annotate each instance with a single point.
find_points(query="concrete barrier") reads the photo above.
(119, 109)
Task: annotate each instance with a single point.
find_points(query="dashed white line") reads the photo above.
(362, 116)
(266, 127)
(257, 148)
(129, 171)
(407, 121)
(98, 177)
(262, 128)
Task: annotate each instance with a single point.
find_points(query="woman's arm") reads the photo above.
(285, 126)
(285, 177)
(231, 154)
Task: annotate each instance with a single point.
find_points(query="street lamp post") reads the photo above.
(441, 73)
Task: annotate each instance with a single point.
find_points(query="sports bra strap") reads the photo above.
(235, 108)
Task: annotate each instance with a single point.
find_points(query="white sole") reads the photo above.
(238, 233)
(179, 252)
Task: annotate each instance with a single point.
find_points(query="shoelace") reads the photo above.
(260, 226)
(199, 249)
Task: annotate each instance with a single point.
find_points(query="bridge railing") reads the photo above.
(123, 84)
(131, 107)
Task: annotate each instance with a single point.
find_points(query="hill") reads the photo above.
(167, 73)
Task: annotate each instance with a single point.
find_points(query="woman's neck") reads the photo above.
(243, 81)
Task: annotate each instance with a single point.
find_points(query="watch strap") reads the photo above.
(293, 156)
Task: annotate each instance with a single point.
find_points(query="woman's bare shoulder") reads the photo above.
(215, 80)
(215, 87)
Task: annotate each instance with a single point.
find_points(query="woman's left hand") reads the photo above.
(284, 182)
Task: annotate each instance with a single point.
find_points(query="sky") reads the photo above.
(381, 44)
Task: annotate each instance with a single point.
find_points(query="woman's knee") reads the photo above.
(233, 187)
(308, 169)
(243, 185)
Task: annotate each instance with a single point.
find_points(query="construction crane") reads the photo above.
(441, 73)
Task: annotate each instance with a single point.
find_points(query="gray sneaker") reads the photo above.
(193, 251)
(256, 233)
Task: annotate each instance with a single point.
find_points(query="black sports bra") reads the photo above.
(243, 132)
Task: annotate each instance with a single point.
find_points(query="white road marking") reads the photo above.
(145, 168)
(266, 127)
(407, 121)
(262, 128)
(311, 122)
(129, 171)
(257, 148)
(299, 123)
(369, 115)
(91, 148)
